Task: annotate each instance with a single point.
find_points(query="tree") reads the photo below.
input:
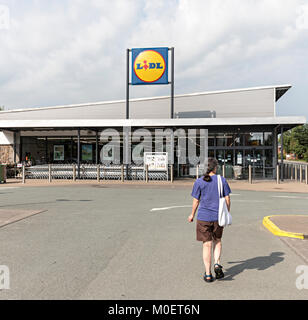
(296, 141)
(1, 108)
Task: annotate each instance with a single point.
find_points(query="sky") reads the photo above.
(74, 51)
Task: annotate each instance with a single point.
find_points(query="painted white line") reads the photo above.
(290, 197)
(247, 201)
(168, 208)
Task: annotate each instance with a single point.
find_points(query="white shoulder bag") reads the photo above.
(224, 216)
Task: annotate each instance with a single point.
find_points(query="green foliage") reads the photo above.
(296, 141)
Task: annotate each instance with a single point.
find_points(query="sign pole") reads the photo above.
(172, 83)
(127, 103)
(127, 83)
(78, 154)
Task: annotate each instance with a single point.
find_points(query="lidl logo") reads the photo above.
(150, 66)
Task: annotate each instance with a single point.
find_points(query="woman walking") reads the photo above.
(206, 197)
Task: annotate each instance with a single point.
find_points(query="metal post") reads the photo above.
(146, 173)
(171, 173)
(14, 146)
(46, 150)
(223, 170)
(122, 173)
(127, 83)
(197, 171)
(277, 173)
(126, 149)
(15, 154)
(172, 83)
(74, 172)
(78, 154)
(300, 174)
(72, 147)
(23, 173)
(306, 174)
(98, 173)
(49, 172)
(249, 174)
(295, 168)
(96, 148)
(281, 152)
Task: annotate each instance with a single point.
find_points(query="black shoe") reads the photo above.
(208, 278)
(218, 271)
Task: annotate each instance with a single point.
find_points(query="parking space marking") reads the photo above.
(290, 197)
(168, 208)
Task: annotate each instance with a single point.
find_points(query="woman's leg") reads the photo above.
(217, 250)
(207, 255)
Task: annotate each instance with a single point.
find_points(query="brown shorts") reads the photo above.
(208, 231)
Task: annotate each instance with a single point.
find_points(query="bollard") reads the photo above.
(300, 174)
(295, 175)
(49, 173)
(223, 170)
(306, 174)
(277, 174)
(23, 174)
(122, 173)
(249, 174)
(146, 173)
(197, 171)
(98, 173)
(171, 173)
(74, 172)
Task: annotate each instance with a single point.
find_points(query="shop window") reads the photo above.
(254, 139)
(268, 138)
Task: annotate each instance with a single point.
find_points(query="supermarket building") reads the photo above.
(242, 125)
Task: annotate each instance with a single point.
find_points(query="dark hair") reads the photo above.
(211, 165)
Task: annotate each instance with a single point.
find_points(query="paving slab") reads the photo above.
(300, 247)
(292, 223)
(257, 185)
(8, 216)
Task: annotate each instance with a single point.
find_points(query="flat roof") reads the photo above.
(280, 90)
(186, 122)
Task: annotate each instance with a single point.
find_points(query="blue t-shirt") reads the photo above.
(207, 193)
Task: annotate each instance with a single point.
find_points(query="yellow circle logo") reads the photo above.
(149, 66)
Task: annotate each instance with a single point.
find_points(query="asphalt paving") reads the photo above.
(96, 242)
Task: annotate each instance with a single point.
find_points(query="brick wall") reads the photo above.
(6, 154)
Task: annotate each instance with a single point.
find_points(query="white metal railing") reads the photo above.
(89, 171)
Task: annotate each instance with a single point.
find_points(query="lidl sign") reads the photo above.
(150, 66)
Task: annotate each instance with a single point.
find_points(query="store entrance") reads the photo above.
(226, 158)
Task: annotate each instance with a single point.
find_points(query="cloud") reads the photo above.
(64, 52)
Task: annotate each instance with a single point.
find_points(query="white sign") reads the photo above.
(156, 161)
